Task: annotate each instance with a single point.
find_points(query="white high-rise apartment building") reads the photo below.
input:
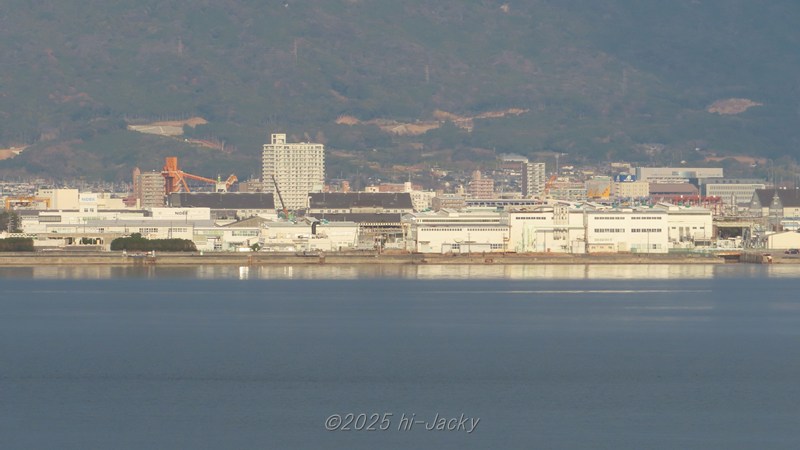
(533, 179)
(298, 168)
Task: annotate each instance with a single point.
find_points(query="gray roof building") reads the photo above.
(352, 202)
(789, 198)
(223, 200)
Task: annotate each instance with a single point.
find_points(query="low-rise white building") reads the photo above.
(103, 232)
(37, 221)
(783, 240)
(449, 231)
(555, 228)
(309, 236)
(688, 224)
(225, 238)
(627, 230)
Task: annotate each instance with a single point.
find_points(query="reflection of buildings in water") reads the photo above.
(346, 272)
(651, 271)
(568, 271)
(420, 272)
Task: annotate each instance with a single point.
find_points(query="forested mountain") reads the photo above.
(595, 79)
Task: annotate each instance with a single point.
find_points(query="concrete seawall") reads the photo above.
(255, 259)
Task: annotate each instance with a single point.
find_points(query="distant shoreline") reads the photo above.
(67, 258)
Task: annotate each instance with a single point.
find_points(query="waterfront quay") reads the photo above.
(358, 258)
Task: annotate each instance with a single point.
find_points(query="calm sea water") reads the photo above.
(638, 357)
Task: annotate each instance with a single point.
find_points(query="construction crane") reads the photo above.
(175, 178)
(549, 183)
(280, 197)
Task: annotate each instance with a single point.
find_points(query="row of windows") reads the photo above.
(425, 220)
(492, 246)
(464, 229)
(244, 233)
(646, 230)
(532, 218)
(609, 230)
(632, 217)
(155, 230)
(209, 232)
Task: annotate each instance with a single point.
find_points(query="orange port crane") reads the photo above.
(550, 182)
(175, 178)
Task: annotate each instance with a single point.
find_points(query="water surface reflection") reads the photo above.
(422, 272)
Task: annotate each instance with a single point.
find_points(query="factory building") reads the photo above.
(449, 231)
(309, 235)
(547, 229)
(688, 225)
(636, 231)
(378, 214)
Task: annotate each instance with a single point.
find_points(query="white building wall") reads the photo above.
(689, 224)
(627, 231)
(284, 236)
(791, 211)
(784, 240)
(461, 238)
(147, 230)
(452, 232)
(181, 214)
(532, 231)
(38, 224)
(60, 198)
(225, 239)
